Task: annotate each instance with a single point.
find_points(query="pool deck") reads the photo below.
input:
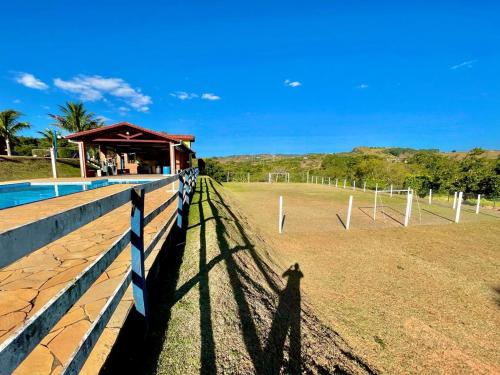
(27, 284)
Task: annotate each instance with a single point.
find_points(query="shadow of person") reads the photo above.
(286, 319)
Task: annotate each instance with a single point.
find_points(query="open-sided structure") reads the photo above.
(126, 148)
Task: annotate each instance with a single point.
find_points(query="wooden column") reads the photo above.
(172, 158)
(81, 155)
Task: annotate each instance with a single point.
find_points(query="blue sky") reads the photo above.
(263, 76)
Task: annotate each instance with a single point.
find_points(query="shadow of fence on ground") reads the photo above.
(267, 346)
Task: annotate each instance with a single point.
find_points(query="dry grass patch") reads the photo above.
(412, 300)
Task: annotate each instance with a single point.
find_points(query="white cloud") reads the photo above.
(16, 101)
(94, 88)
(210, 96)
(29, 80)
(362, 86)
(464, 64)
(183, 95)
(292, 83)
(103, 118)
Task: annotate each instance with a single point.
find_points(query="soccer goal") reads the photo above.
(278, 177)
(396, 205)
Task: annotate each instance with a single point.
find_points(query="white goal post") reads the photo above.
(276, 175)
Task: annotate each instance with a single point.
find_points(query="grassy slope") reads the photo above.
(418, 300)
(20, 168)
(233, 313)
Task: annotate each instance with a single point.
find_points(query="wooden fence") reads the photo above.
(21, 241)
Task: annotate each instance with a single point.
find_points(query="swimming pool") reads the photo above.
(12, 195)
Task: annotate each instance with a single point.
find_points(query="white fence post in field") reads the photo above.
(391, 190)
(53, 162)
(322, 180)
(455, 200)
(280, 223)
(375, 204)
(478, 204)
(354, 185)
(459, 205)
(364, 186)
(430, 197)
(336, 182)
(408, 208)
(329, 182)
(307, 176)
(248, 177)
(344, 182)
(349, 209)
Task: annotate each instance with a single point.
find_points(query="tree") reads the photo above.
(9, 126)
(75, 118)
(48, 135)
(213, 169)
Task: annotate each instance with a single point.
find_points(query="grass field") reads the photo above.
(422, 299)
(19, 168)
(223, 305)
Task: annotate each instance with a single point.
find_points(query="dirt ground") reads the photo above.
(422, 299)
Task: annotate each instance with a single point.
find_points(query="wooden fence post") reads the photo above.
(344, 182)
(349, 209)
(455, 200)
(408, 208)
(280, 223)
(354, 185)
(336, 182)
(364, 186)
(478, 204)
(180, 204)
(430, 197)
(375, 204)
(458, 207)
(137, 248)
(391, 190)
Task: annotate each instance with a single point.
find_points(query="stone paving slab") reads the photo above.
(29, 283)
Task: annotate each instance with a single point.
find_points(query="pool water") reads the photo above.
(12, 195)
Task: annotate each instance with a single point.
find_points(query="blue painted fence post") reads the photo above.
(188, 187)
(180, 203)
(137, 248)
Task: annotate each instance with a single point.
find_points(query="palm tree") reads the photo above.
(48, 134)
(9, 126)
(75, 118)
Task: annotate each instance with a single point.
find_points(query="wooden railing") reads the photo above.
(23, 240)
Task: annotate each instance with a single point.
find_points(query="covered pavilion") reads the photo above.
(125, 148)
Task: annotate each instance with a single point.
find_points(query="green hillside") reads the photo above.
(475, 172)
(20, 168)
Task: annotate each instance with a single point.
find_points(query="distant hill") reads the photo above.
(394, 153)
(476, 171)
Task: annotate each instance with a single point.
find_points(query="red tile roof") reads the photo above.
(166, 136)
